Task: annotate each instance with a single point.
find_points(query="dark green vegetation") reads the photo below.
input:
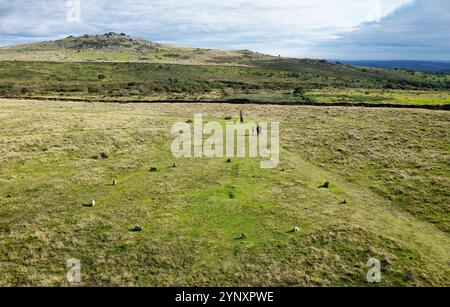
(209, 82)
(115, 66)
(392, 167)
(435, 66)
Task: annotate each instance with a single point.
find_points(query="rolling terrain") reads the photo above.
(87, 118)
(119, 67)
(114, 47)
(389, 165)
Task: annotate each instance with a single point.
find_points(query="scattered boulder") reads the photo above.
(138, 228)
(115, 182)
(344, 202)
(92, 204)
(410, 277)
(229, 161)
(295, 229)
(228, 117)
(326, 185)
(153, 169)
(243, 236)
(174, 165)
(232, 194)
(102, 155)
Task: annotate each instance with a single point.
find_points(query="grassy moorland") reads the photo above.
(153, 82)
(119, 67)
(114, 47)
(388, 169)
(391, 165)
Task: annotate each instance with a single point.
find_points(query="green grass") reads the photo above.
(333, 95)
(399, 97)
(391, 166)
(153, 82)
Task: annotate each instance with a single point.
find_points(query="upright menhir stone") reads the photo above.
(242, 117)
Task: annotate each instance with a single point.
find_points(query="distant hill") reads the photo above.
(119, 47)
(114, 64)
(430, 66)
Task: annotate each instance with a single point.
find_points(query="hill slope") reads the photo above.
(117, 65)
(114, 47)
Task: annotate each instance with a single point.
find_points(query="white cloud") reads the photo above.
(416, 32)
(289, 27)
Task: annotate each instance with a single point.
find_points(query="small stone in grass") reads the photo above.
(138, 228)
(92, 204)
(174, 165)
(344, 202)
(295, 229)
(410, 277)
(244, 236)
(153, 169)
(115, 182)
(229, 161)
(326, 185)
(104, 154)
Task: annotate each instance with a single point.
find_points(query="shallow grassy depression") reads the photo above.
(391, 166)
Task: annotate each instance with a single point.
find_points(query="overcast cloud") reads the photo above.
(346, 29)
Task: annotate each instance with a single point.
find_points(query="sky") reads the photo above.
(328, 29)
